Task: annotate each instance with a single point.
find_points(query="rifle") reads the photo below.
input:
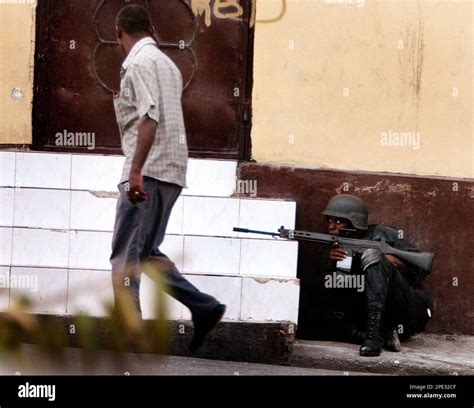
(421, 260)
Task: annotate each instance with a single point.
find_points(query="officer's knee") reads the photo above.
(371, 257)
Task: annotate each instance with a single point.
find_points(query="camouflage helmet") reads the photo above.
(349, 207)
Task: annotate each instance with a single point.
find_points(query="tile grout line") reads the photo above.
(69, 236)
(240, 264)
(13, 223)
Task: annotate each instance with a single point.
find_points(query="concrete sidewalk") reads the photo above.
(423, 354)
(274, 345)
(33, 362)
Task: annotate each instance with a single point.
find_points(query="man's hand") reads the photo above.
(337, 254)
(394, 260)
(136, 194)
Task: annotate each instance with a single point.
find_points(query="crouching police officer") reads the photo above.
(395, 296)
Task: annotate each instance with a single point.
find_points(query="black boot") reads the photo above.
(392, 342)
(373, 342)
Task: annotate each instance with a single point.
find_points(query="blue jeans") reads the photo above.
(138, 233)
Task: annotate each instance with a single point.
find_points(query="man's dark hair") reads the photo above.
(134, 19)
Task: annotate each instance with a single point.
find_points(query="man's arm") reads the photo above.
(390, 235)
(145, 92)
(146, 136)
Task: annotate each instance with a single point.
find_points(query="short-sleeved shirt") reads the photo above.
(151, 85)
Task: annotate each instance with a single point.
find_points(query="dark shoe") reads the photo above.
(373, 342)
(202, 327)
(392, 342)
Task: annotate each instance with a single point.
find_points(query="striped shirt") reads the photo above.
(152, 85)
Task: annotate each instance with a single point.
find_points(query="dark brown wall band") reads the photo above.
(435, 213)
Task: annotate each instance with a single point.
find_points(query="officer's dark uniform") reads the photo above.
(395, 296)
(397, 291)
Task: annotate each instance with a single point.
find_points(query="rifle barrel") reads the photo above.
(248, 231)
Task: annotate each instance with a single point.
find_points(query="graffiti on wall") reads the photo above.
(220, 9)
(230, 9)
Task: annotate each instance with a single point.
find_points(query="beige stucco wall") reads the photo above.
(16, 71)
(303, 115)
(329, 80)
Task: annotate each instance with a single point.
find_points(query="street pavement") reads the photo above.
(32, 362)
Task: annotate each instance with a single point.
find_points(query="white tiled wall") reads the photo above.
(43, 170)
(173, 248)
(175, 222)
(7, 169)
(212, 256)
(50, 293)
(93, 212)
(226, 289)
(264, 215)
(210, 216)
(270, 258)
(42, 208)
(6, 206)
(6, 235)
(4, 288)
(36, 247)
(148, 301)
(270, 299)
(91, 173)
(89, 292)
(89, 250)
(56, 220)
(213, 178)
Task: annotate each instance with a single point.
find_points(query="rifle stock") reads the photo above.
(422, 260)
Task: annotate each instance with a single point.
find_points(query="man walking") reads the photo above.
(150, 119)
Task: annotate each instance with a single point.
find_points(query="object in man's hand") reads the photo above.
(346, 263)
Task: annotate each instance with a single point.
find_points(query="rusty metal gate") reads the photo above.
(78, 63)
